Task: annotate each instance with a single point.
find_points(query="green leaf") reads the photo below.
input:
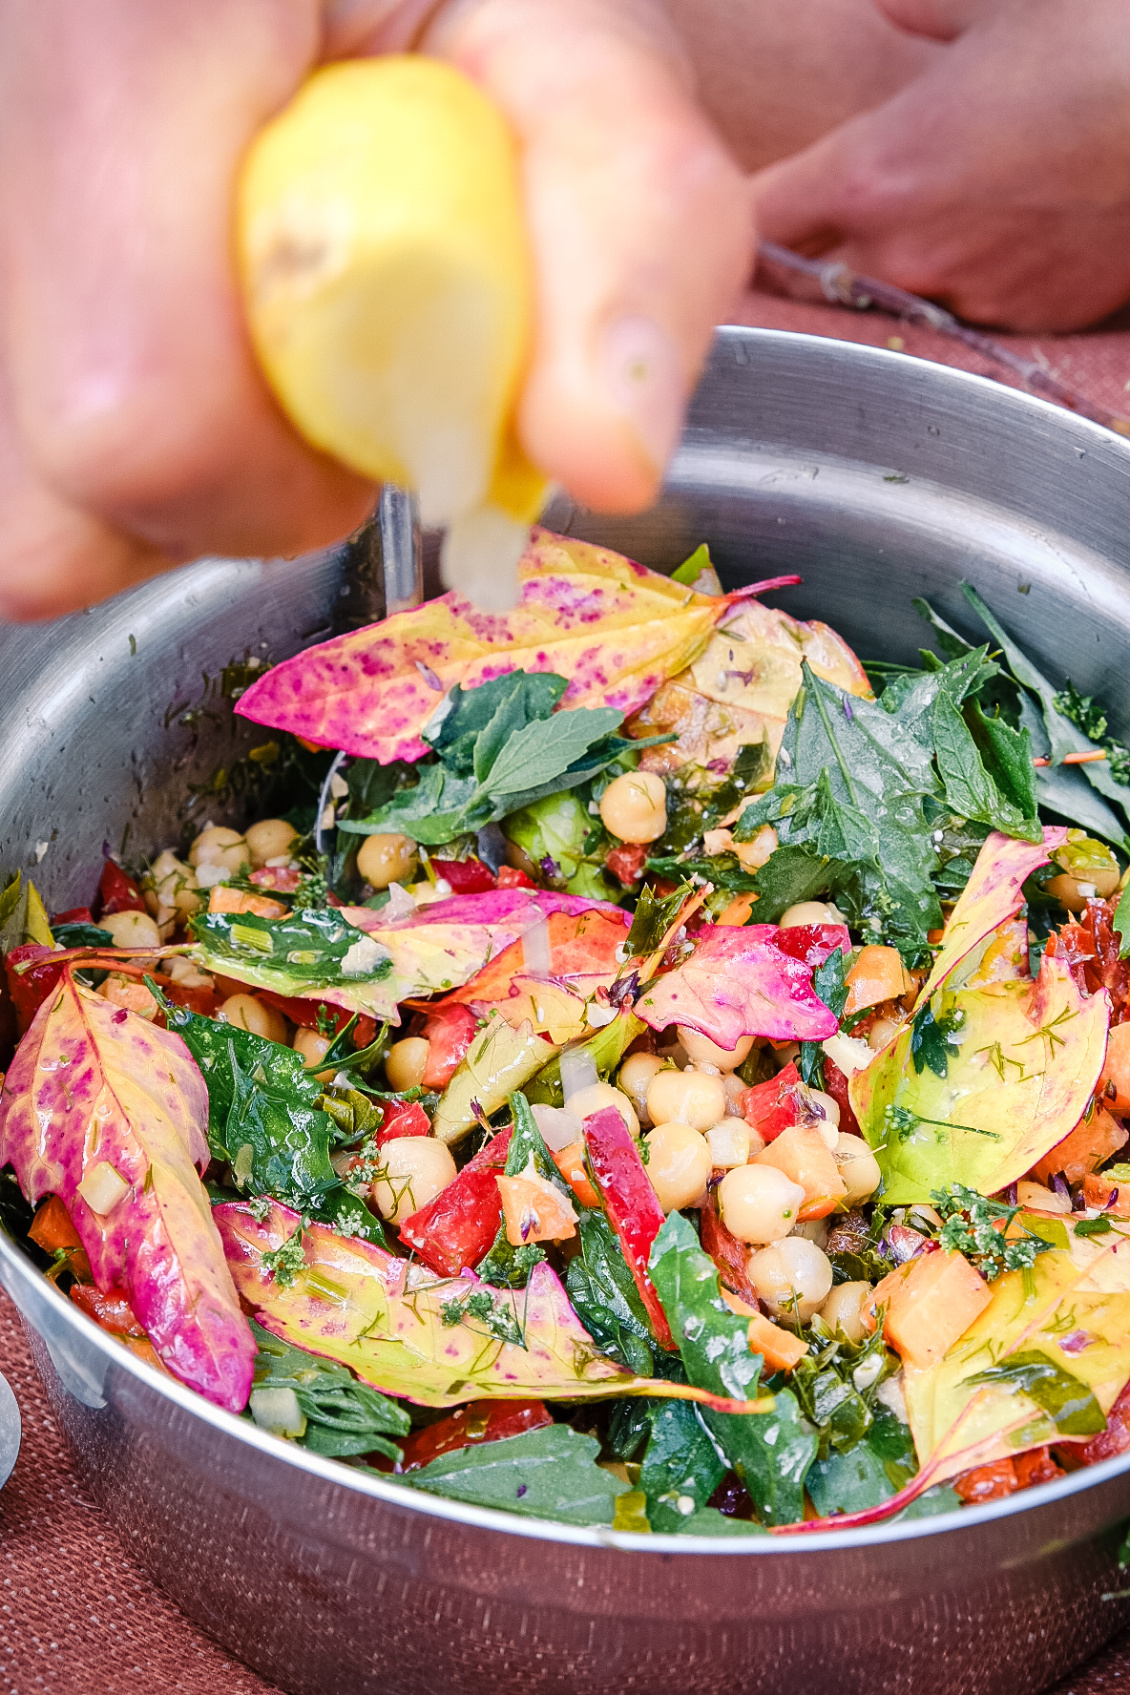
(708, 1521)
(876, 1468)
(23, 917)
(505, 1265)
(545, 1473)
(826, 1386)
(970, 788)
(81, 936)
(724, 870)
(830, 986)
(605, 1298)
(681, 1468)
(344, 1417)
(693, 567)
(606, 1049)
(1068, 1401)
(771, 1452)
(934, 1040)
(309, 946)
(542, 752)
(654, 916)
(490, 713)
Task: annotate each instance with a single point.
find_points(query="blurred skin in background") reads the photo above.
(974, 150)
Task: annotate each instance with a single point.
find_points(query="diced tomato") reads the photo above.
(987, 1482)
(836, 1085)
(458, 1228)
(812, 943)
(478, 1421)
(509, 877)
(631, 1204)
(306, 1013)
(30, 986)
(1114, 1440)
(73, 915)
(627, 862)
(200, 999)
(450, 1030)
(52, 1228)
(466, 876)
(402, 1120)
(773, 1106)
(728, 1254)
(1092, 948)
(110, 1308)
(284, 879)
(1036, 1466)
(118, 892)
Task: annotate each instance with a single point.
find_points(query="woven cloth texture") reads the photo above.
(77, 1616)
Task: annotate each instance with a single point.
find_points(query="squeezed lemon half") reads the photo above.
(389, 293)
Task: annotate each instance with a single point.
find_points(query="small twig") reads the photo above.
(1088, 758)
(842, 287)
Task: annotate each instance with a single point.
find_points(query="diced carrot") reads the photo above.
(570, 1162)
(1103, 1192)
(1092, 1141)
(930, 1302)
(987, 1482)
(780, 1349)
(738, 911)
(533, 1210)
(51, 1228)
(802, 1154)
(1036, 1466)
(225, 899)
(877, 974)
(1114, 1084)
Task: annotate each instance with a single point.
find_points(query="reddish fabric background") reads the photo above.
(77, 1617)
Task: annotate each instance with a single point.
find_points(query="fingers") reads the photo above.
(640, 225)
(998, 182)
(134, 392)
(938, 20)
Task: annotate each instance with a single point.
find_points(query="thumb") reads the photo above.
(940, 20)
(640, 224)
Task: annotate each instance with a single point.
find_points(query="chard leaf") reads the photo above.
(540, 753)
(308, 946)
(794, 873)
(23, 917)
(653, 916)
(1068, 1402)
(772, 1452)
(604, 1294)
(970, 788)
(877, 1467)
(548, 1473)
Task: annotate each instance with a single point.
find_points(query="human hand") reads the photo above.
(135, 429)
(997, 182)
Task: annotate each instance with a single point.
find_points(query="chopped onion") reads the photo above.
(559, 1127)
(399, 904)
(103, 1187)
(848, 1052)
(278, 1411)
(578, 1071)
(535, 949)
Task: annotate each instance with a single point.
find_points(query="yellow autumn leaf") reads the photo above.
(615, 630)
(1049, 1313)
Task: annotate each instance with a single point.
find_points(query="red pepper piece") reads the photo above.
(478, 1421)
(509, 877)
(73, 915)
(458, 1228)
(466, 876)
(118, 892)
(987, 1482)
(630, 1201)
(772, 1107)
(728, 1254)
(627, 862)
(450, 1032)
(110, 1308)
(282, 878)
(30, 987)
(306, 1013)
(1036, 1466)
(836, 1085)
(403, 1120)
(1114, 1440)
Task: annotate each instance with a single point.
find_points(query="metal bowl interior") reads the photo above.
(878, 478)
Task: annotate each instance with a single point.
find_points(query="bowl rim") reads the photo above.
(20, 1268)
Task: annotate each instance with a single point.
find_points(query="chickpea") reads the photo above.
(406, 1062)
(734, 1087)
(700, 1050)
(728, 1141)
(416, 1169)
(247, 1012)
(678, 1164)
(172, 891)
(758, 1203)
(385, 859)
(220, 847)
(696, 1098)
(1029, 1194)
(271, 838)
(793, 1278)
(810, 912)
(857, 1166)
(1073, 892)
(634, 807)
(635, 1075)
(843, 1310)
(595, 1096)
(313, 1046)
(132, 929)
(752, 855)
(187, 973)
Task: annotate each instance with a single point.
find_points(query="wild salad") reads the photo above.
(646, 1070)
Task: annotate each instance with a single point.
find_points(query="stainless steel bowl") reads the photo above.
(878, 477)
